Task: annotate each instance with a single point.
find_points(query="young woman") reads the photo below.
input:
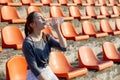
(37, 47)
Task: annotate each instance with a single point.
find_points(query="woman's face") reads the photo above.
(39, 21)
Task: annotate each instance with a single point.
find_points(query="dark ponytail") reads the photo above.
(28, 29)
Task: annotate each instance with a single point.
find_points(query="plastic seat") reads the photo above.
(90, 2)
(117, 24)
(12, 17)
(110, 52)
(49, 2)
(10, 3)
(33, 8)
(87, 58)
(106, 27)
(89, 29)
(16, 68)
(104, 11)
(101, 3)
(69, 32)
(116, 10)
(11, 37)
(75, 12)
(31, 3)
(66, 2)
(62, 68)
(56, 11)
(91, 12)
(49, 31)
(112, 3)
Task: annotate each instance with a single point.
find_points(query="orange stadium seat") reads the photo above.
(33, 8)
(69, 32)
(49, 31)
(49, 2)
(66, 2)
(117, 24)
(62, 68)
(87, 58)
(16, 68)
(104, 11)
(12, 17)
(112, 3)
(56, 11)
(11, 37)
(31, 2)
(101, 3)
(106, 27)
(110, 52)
(116, 10)
(89, 29)
(10, 3)
(91, 12)
(74, 11)
(90, 2)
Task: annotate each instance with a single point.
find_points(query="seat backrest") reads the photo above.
(46, 1)
(6, 1)
(112, 2)
(88, 28)
(115, 10)
(59, 63)
(87, 56)
(91, 2)
(47, 30)
(16, 68)
(77, 1)
(63, 1)
(90, 11)
(74, 11)
(33, 8)
(103, 2)
(56, 11)
(117, 24)
(105, 26)
(12, 35)
(104, 11)
(27, 1)
(12, 13)
(68, 29)
(110, 50)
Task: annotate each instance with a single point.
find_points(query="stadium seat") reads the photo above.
(101, 3)
(16, 68)
(69, 32)
(87, 58)
(62, 68)
(11, 37)
(49, 2)
(112, 3)
(31, 3)
(117, 24)
(104, 11)
(110, 52)
(66, 2)
(48, 30)
(56, 11)
(106, 27)
(12, 17)
(90, 2)
(10, 3)
(116, 10)
(74, 11)
(91, 12)
(88, 28)
(33, 8)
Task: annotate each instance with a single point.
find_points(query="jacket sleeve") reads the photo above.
(30, 57)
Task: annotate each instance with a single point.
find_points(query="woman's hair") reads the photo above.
(30, 18)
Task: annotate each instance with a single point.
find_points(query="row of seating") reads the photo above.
(60, 2)
(14, 38)
(74, 12)
(86, 60)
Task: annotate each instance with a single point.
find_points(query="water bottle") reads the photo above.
(54, 21)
